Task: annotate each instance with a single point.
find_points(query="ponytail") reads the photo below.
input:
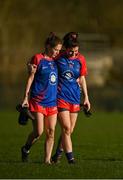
(52, 40)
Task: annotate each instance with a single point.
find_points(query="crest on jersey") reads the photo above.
(53, 78)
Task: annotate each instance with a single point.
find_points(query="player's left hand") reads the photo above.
(87, 104)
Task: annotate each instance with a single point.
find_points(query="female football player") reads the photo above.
(72, 71)
(40, 96)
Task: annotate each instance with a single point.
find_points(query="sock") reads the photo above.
(27, 147)
(69, 156)
(58, 152)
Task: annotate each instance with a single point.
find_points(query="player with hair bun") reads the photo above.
(41, 96)
(71, 68)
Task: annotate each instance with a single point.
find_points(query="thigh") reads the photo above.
(64, 119)
(38, 123)
(73, 118)
(50, 121)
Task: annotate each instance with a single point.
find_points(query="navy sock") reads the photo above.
(27, 146)
(58, 152)
(69, 156)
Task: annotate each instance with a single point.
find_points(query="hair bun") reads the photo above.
(74, 35)
(70, 39)
(71, 35)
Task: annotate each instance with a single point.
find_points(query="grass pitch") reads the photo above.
(97, 144)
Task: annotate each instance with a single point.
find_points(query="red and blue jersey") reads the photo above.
(44, 87)
(69, 70)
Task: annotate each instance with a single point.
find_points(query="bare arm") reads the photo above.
(27, 89)
(31, 67)
(83, 84)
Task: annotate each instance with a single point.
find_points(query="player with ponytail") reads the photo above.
(41, 96)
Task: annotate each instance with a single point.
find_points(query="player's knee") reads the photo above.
(50, 133)
(67, 130)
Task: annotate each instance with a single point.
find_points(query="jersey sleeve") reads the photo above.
(36, 59)
(83, 70)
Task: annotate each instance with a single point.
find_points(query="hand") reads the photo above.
(25, 102)
(87, 104)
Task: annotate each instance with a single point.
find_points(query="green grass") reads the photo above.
(97, 144)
